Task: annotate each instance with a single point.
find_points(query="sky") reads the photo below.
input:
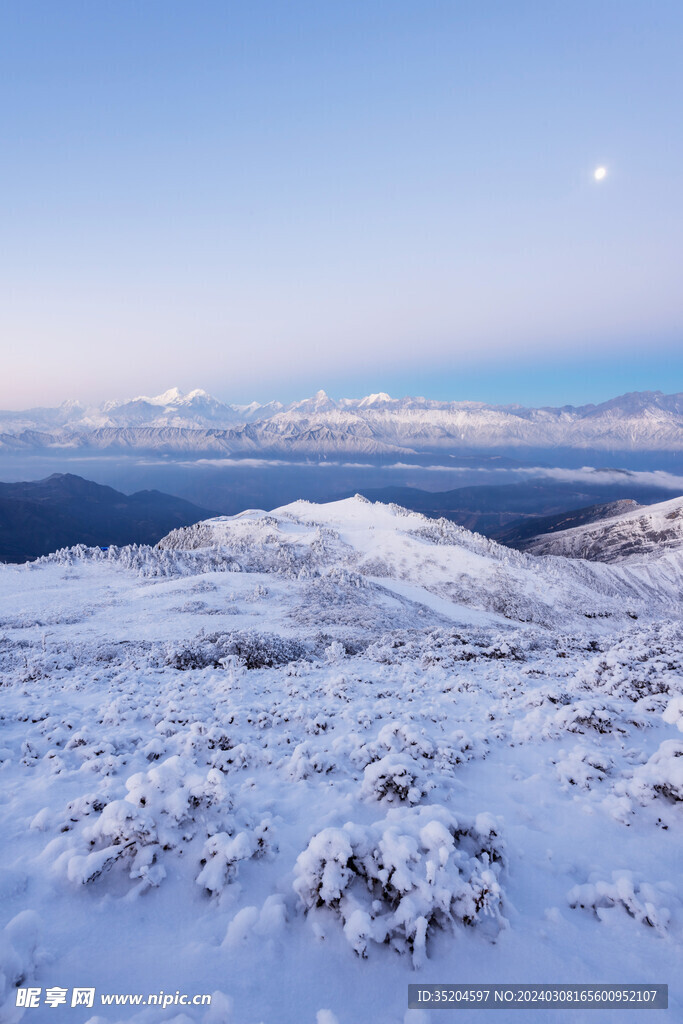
(267, 198)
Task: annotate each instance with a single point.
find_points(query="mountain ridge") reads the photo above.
(374, 425)
(632, 534)
(40, 516)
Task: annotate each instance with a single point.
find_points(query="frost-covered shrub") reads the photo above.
(405, 738)
(583, 716)
(223, 851)
(399, 879)
(582, 767)
(335, 652)
(662, 775)
(445, 647)
(338, 586)
(649, 904)
(81, 807)
(433, 754)
(561, 713)
(394, 779)
(378, 567)
(264, 650)
(147, 562)
(123, 833)
(242, 755)
(252, 649)
(306, 761)
(158, 814)
(394, 737)
(642, 663)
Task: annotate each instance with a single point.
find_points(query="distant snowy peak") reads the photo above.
(320, 426)
(654, 530)
(175, 397)
(194, 410)
(382, 398)
(320, 403)
(171, 397)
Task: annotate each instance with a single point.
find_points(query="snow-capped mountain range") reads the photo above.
(374, 425)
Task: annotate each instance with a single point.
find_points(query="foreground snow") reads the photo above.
(300, 760)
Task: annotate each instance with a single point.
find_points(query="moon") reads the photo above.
(600, 173)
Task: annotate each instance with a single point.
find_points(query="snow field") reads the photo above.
(300, 789)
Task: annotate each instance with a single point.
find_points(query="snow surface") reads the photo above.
(301, 759)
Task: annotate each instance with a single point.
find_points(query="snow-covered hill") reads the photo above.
(629, 535)
(407, 549)
(296, 760)
(374, 425)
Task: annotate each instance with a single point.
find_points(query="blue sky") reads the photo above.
(262, 199)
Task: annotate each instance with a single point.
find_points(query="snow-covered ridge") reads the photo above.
(448, 571)
(630, 536)
(376, 424)
(405, 550)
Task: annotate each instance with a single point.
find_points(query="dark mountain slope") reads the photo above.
(40, 516)
(523, 532)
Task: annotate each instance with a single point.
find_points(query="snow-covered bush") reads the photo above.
(395, 737)
(335, 652)
(223, 851)
(556, 714)
(446, 647)
(397, 880)
(394, 779)
(661, 776)
(306, 760)
(649, 904)
(582, 716)
(641, 663)
(242, 755)
(252, 649)
(159, 813)
(399, 759)
(582, 767)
